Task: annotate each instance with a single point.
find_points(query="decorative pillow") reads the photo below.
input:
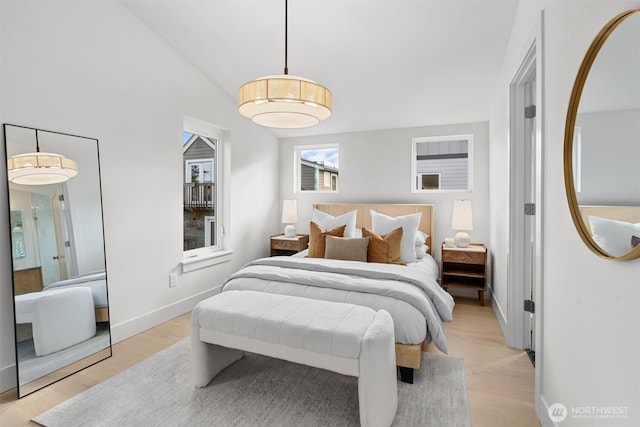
(613, 236)
(385, 249)
(383, 224)
(329, 222)
(421, 238)
(635, 241)
(317, 238)
(351, 249)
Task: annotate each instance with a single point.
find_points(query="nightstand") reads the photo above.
(465, 268)
(281, 245)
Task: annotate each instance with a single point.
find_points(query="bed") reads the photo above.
(410, 293)
(97, 282)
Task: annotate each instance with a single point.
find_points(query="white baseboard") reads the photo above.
(8, 378)
(502, 318)
(134, 326)
(543, 414)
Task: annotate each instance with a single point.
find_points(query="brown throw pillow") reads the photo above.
(385, 249)
(317, 237)
(351, 249)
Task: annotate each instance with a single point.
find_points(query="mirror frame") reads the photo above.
(61, 373)
(572, 113)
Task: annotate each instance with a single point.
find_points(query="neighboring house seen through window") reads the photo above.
(200, 195)
(443, 163)
(317, 168)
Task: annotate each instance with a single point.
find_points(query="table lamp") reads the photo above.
(462, 220)
(289, 217)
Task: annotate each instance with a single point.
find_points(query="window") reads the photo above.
(576, 158)
(201, 199)
(428, 181)
(317, 168)
(442, 163)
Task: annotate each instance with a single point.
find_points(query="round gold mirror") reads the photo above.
(602, 142)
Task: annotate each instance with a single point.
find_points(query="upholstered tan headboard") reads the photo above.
(618, 213)
(363, 217)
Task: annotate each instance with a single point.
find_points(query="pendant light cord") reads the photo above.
(37, 143)
(286, 21)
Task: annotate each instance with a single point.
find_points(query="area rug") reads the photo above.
(257, 391)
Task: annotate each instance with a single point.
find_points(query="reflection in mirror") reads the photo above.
(57, 241)
(442, 163)
(602, 141)
(17, 235)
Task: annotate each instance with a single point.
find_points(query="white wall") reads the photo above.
(590, 342)
(92, 69)
(376, 167)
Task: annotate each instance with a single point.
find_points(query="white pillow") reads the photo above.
(329, 222)
(422, 251)
(383, 224)
(421, 238)
(613, 236)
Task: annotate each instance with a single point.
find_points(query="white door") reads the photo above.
(529, 211)
(62, 222)
(43, 217)
(524, 215)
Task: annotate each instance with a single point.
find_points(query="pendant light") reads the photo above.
(40, 168)
(284, 101)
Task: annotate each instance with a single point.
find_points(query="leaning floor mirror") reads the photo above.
(61, 305)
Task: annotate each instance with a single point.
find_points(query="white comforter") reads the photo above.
(417, 304)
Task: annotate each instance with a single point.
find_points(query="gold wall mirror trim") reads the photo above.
(602, 142)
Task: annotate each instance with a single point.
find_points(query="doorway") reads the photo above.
(525, 211)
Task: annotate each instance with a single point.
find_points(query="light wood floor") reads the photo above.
(500, 380)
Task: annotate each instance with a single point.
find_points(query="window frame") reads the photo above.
(297, 181)
(419, 176)
(197, 258)
(442, 138)
(187, 175)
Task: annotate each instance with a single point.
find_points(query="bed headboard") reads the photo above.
(363, 217)
(619, 213)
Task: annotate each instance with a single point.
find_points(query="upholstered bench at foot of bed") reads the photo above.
(60, 318)
(344, 338)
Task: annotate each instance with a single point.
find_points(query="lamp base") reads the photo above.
(462, 239)
(290, 231)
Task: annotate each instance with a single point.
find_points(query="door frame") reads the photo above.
(533, 56)
(518, 181)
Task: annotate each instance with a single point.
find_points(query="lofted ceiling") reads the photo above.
(389, 63)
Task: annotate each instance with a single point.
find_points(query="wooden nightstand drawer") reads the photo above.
(289, 245)
(465, 257)
(281, 245)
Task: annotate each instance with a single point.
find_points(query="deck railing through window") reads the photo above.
(199, 195)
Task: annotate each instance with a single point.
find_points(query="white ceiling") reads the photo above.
(389, 63)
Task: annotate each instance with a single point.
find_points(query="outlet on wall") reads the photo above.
(173, 280)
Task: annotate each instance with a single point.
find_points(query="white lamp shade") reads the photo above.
(284, 101)
(40, 168)
(289, 211)
(462, 217)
